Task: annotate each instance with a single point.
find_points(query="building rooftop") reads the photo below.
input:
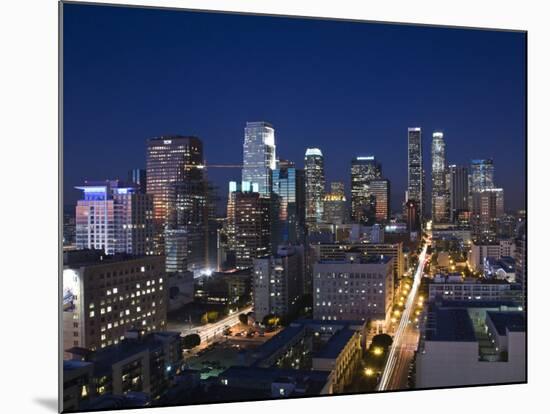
(89, 257)
(452, 325)
(335, 344)
(374, 259)
(279, 341)
(511, 321)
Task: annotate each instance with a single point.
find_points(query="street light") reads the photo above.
(369, 372)
(378, 351)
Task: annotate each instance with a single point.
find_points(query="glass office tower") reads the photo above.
(259, 155)
(482, 175)
(288, 184)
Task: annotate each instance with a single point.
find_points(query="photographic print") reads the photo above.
(261, 207)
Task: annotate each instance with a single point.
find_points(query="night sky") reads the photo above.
(348, 88)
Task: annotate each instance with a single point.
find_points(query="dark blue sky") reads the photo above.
(348, 88)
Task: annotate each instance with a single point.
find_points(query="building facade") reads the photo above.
(105, 296)
(289, 185)
(173, 162)
(356, 288)
(259, 155)
(314, 186)
(114, 217)
(415, 170)
(458, 191)
(440, 196)
(363, 201)
(277, 282)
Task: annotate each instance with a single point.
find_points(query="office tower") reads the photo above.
(259, 155)
(69, 226)
(440, 199)
(482, 172)
(413, 216)
(334, 204)
(363, 171)
(488, 207)
(176, 250)
(415, 169)
(288, 184)
(314, 185)
(173, 163)
(277, 282)
(252, 226)
(114, 217)
(105, 296)
(380, 189)
(458, 190)
(138, 177)
(362, 289)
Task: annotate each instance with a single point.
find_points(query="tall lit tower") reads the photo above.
(415, 170)
(174, 173)
(440, 197)
(458, 190)
(482, 175)
(315, 185)
(363, 171)
(259, 155)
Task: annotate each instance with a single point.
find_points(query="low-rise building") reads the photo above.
(471, 344)
(481, 251)
(457, 288)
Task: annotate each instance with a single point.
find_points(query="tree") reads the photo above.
(243, 318)
(382, 340)
(212, 316)
(270, 320)
(191, 341)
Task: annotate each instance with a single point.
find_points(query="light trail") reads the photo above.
(212, 330)
(398, 337)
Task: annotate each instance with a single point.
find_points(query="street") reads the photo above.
(405, 339)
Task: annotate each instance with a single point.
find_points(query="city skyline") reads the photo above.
(486, 124)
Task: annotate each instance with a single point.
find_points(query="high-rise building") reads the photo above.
(252, 226)
(259, 157)
(458, 190)
(173, 162)
(488, 207)
(355, 288)
(314, 185)
(289, 185)
(380, 189)
(440, 196)
(114, 217)
(334, 204)
(138, 177)
(521, 262)
(105, 296)
(482, 172)
(277, 282)
(415, 169)
(176, 250)
(363, 202)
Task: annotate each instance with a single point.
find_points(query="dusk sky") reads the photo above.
(348, 88)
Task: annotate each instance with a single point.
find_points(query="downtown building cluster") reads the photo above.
(325, 262)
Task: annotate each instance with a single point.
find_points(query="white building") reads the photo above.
(479, 252)
(461, 350)
(355, 288)
(454, 287)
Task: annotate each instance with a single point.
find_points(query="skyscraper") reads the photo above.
(334, 204)
(380, 189)
(114, 217)
(363, 171)
(288, 184)
(172, 162)
(482, 175)
(259, 155)
(413, 219)
(138, 177)
(440, 196)
(415, 169)
(315, 185)
(252, 226)
(458, 190)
